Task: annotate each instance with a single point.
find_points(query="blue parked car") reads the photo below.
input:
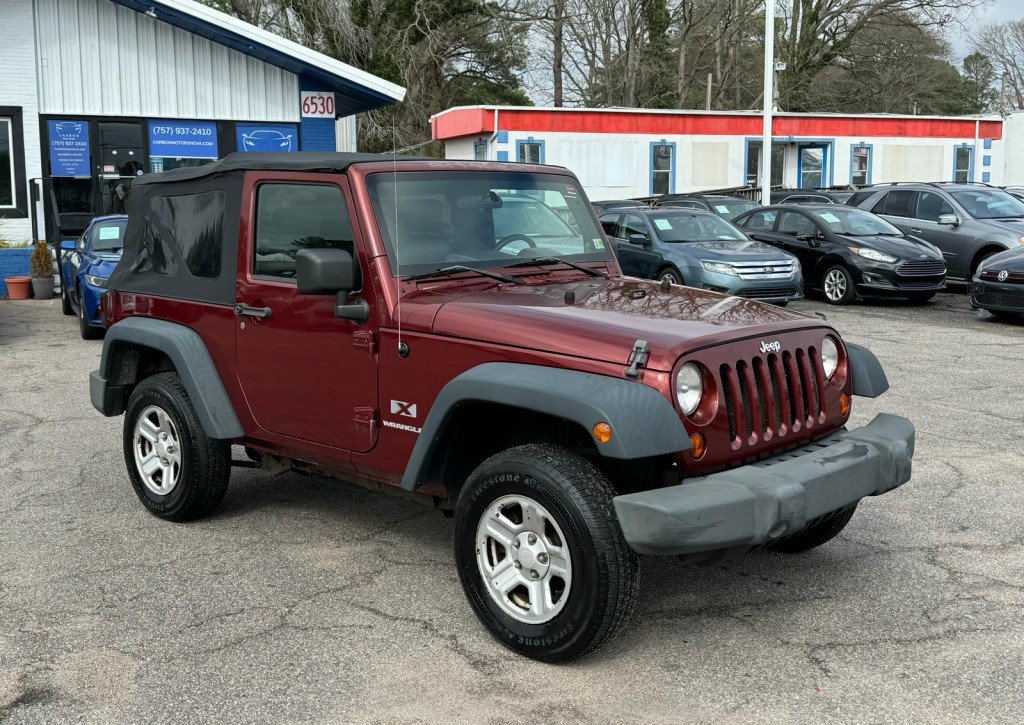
(85, 267)
(703, 250)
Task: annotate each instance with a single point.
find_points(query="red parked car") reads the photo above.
(360, 317)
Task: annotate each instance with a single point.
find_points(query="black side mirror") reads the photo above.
(811, 239)
(641, 240)
(331, 271)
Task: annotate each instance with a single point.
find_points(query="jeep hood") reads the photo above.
(608, 316)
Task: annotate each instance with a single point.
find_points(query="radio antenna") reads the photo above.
(403, 349)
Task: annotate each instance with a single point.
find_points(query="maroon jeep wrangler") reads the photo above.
(462, 331)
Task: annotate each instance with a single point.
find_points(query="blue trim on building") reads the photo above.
(480, 143)
(502, 156)
(986, 160)
(352, 96)
(986, 176)
(671, 165)
(521, 142)
(987, 143)
(316, 134)
(827, 168)
(502, 137)
(871, 159)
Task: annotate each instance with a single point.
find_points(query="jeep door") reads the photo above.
(305, 373)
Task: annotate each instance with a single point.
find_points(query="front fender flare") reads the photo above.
(869, 379)
(191, 360)
(643, 421)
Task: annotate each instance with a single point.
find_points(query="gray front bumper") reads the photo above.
(758, 503)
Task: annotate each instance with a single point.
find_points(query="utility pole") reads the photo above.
(768, 98)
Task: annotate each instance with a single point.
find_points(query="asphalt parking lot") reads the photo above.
(305, 601)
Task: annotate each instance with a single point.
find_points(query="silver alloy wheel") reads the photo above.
(524, 559)
(835, 285)
(157, 450)
(670, 276)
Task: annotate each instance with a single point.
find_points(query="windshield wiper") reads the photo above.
(462, 268)
(543, 261)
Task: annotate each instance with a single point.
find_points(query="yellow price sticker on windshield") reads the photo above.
(598, 242)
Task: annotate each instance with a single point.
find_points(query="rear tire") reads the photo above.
(178, 472)
(814, 536)
(540, 553)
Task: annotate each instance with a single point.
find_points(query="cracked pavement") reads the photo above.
(302, 600)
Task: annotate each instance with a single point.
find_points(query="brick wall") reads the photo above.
(18, 88)
(13, 262)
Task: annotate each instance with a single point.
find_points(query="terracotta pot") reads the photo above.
(17, 287)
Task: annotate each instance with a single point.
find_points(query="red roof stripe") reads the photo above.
(459, 122)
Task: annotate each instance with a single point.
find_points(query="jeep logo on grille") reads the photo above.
(772, 346)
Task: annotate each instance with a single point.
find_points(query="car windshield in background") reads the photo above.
(854, 222)
(683, 227)
(434, 219)
(732, 209)
(108, 236)
(990, 204)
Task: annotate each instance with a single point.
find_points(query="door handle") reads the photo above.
(247, 311)
(916, 231)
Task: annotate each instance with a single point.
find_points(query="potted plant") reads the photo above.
(41, 264)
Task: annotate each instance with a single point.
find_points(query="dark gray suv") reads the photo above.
(967, 222)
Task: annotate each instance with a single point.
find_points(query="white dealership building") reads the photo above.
(628, 153)
(96, 92)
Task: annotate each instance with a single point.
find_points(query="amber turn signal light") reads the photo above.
(844, 403)
(698, 446)
(602, 432)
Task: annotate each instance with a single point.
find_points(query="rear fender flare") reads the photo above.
(191, 360)
(644, 423)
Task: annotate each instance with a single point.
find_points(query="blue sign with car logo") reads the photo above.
(183, 139)
(266, 137)
(69, 148)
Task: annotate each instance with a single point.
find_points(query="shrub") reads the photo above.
(40, 261)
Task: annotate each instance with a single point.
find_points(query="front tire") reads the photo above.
(814, 536)
(837, 285)
(540, 553)
(671, 275)
(178, 472)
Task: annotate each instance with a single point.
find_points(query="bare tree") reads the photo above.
(1003, 45)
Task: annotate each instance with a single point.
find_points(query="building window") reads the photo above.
(963, 161)
(663, 163)
(754, 163)
(860, 165)
(480, 150)
(530, 152)
(12, 164)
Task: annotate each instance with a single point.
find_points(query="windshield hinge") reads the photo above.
(637, 357)
(365, 340)
(366, 418)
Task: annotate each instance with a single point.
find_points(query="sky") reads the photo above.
(998, 11)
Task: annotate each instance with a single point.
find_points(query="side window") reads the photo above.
(930, 206)
(762, 221)
(899, 203)
(196, 224)
(633, 224)
(610, 223)
(529, 152)
(290, 217)
(793, 223)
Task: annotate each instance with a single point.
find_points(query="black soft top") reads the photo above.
(324, 161)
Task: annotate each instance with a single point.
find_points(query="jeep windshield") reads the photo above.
(990, 204)
(431, 220)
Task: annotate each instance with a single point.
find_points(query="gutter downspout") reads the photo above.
(490, 141)
(974, 154)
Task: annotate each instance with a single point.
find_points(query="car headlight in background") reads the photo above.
(874, 254)
(1020, 240)
(829, 356)
(719, 267)
(689, 388)
(96, 281)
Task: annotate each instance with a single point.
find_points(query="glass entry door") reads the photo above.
(121, 160)
(813, 165)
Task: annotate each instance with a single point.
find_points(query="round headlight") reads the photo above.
(829, 356)
(689, 388)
